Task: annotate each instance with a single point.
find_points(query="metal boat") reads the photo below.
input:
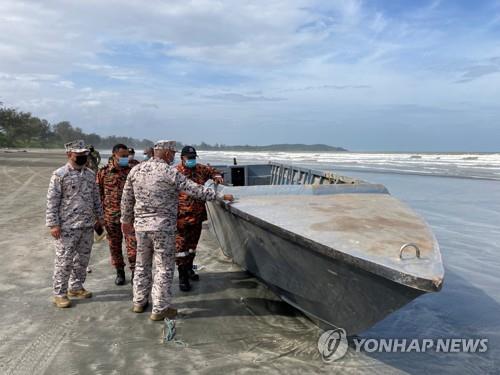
(343, 251)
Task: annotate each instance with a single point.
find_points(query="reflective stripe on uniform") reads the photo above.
(185, 253)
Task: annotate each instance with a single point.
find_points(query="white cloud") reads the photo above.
(90, 103)
(237, 97)
(65, 84)
(275, 62)
(110, 71)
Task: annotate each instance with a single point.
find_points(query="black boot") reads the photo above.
(120, 276)
(184, 284)
(193, 275)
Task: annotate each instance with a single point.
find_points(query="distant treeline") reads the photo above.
(276, 147)
(21, 129)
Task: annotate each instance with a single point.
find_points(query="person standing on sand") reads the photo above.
(192, 214)
(73, 208)
(111, 180)
(149, 204)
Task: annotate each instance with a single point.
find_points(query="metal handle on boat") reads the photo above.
(417, 249)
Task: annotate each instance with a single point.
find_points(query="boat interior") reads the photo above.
(279, 174)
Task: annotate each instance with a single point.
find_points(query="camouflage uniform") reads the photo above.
(191, 214)
(73, 203)
(150, 200)
(132, 163)
(94, 159)
(111, 181)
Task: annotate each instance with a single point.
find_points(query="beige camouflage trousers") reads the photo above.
(72, 257)
(158, 248)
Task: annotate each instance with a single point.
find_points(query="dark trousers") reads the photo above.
(115, 239)
(186, 241)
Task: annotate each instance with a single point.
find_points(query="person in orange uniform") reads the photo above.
(111, 180)
(191, 214)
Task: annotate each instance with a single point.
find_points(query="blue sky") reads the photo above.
(365, 75)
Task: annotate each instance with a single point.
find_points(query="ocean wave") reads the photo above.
(466, 165)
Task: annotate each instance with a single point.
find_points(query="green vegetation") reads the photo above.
(21, 129)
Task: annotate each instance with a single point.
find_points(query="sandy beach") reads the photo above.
(230, 322)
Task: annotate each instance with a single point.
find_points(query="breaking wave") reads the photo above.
(471, 165)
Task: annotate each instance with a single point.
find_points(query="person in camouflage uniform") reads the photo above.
(149, 203)
(111, 180)
(148, 153)
(73, 208)
(94, 159)
(191, 215)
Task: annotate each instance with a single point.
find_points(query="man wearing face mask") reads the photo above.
(73, 208)
(192, 214)
(131, 157)
(111, 180)
(148, 153)
(149, 204)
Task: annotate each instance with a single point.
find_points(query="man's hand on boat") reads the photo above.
(218, 180)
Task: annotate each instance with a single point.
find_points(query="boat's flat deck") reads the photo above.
(368, 226)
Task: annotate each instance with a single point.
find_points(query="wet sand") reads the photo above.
(230, 322)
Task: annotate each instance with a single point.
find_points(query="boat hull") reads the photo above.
(331, 291)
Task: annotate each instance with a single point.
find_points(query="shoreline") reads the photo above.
(54, 150)
(461, 167)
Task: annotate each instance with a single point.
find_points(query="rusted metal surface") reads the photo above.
(361, 224)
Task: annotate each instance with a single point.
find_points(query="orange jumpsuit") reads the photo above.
(191, 214)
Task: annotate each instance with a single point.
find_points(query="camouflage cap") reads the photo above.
(76, 146)
(165, 145)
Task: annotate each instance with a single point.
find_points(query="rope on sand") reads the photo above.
(169, 332)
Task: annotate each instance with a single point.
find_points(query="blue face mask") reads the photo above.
(123, 162)
(190, 163)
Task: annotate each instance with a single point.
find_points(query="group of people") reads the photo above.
(157, 208)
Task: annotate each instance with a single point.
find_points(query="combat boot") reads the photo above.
(62, 302)
(120, 276)
(169, 312)
(193, 275)
(139, 308)
(184, 284)
(82, 293)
